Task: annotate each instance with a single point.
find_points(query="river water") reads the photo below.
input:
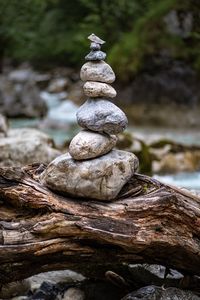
(187, 137)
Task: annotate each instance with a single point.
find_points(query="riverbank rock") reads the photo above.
(101, 115)
(188, 161)
(88, 144)
(98, 89)
(97, 71)
(26, 146)
(99, 178)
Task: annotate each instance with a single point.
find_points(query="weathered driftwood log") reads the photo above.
(41, 231)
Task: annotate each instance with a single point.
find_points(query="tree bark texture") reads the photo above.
(41, 231)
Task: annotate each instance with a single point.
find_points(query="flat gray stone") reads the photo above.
(94, 38)
(88, 144)
(99, 178)
(96, 55)
(101, 115)
(98, 89)
(97, 71)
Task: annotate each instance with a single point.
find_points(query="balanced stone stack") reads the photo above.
(92, 169)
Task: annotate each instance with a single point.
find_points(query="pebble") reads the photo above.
(88, 144)
(95, 46)
(99, 178)
(98, 89)
(101, 115)
(97, 71)
(96, 55)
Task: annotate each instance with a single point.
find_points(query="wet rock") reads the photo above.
(73, 294)
(101, 115)
(88, 144)
(98, 89)
(155, 293)
(99, 178)
(25, 146)
(95, 55)
(97, 71)
(144, 274)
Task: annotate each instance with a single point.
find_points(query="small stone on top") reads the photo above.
(93, 38)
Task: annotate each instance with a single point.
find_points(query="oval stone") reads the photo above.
(97, 71)
(99, 178)
(101, 115)
(98, 89)
(88, 144)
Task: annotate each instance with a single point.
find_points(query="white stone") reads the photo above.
(98, 89)
(99, 178)
(97, 71)
(88, 144)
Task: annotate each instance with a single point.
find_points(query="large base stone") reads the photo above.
(99, 178)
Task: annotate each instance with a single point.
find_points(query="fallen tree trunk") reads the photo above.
(41, 231)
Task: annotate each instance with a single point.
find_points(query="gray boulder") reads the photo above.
(99, 178)
(88, 144)
(101, 115)
(25, 146)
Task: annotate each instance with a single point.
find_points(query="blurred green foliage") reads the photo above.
(55, 31)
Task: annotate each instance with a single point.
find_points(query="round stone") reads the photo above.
(95, 46)
(88, 144)
(97, 71)
(98, 89)
(99, 178)
(96, 55)
(101, 115)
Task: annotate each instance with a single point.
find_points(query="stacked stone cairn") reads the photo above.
(92, 169)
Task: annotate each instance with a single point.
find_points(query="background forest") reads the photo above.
(53, 31)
